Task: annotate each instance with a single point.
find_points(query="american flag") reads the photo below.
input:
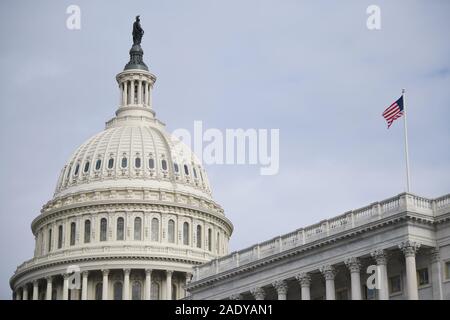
(394, 111)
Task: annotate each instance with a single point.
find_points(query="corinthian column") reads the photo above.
(105, 273)
(329, 274)
(380, 257)
(65, 293)
(409, 249)
(25, 292)
(354, 267)
(169, 284)
(281, 287)
(258, 293)
(35, 290)
(148, 283)
(436, 274)
(305, 283)
(126, 284)
(84, 285)
(48, 292)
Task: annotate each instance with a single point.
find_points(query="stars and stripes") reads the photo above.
(394, 111)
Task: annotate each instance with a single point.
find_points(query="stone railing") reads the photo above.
(349, 220)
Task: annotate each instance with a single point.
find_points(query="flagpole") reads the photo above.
(406, 143)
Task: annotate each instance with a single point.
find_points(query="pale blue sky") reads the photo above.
(310, 68)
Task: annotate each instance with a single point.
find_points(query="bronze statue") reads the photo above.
(138, 32)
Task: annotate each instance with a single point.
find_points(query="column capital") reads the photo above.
(49, 278)
(353, 264)
(304, 278)
(380, 256)
(328, 271)
(280, 286)
(435, 255)
(105, 272)
(235, 297)
(169, 273)
(409, 248)
(85, 273)
(66, 276)
(126, 272)
(148, 271)
(36, 282)
(258, 293)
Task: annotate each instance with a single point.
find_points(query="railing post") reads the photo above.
(236, 257)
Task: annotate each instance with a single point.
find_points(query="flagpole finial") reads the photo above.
(403, 90)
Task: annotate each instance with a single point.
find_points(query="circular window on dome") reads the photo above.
(124, 162)
(164, 164)
(137, 162)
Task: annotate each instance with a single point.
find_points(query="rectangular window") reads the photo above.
(395, 284)
(447, 270)
(422, 277)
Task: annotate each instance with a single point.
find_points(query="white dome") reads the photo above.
(132, 155)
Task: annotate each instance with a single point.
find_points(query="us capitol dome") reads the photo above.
(132, 213)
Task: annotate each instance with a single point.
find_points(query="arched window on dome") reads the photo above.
(186, 233)
(155, 289)
(195, 172)
(151, 163)
(174, 292)
(199, 236)
(73, 230)
(99, 291)
(103, 229)
(201, 175)
(171, 231)
(218, 242)
(209, 239)
(68, 172)
(98, 164)
(49, 247)
(120, 229)
(186, 170)
(176, 167)
(60, 236)
(137, 163)
(77, 169)
(124, 162)
(118, 290)
(111, 163)
(136, 291)
(155, 229)
(87, 231)
(164, 164)
(86, 166)
(137, 228)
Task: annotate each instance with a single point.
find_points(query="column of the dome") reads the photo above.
(105, 273)
(169, 284)
(84, 285)
(139, 99)
(126, 284)
(65, 294)
(132, 92)
(148, 283)
(48, 293)
(35, 289)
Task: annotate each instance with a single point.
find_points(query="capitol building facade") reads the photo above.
(131, 214)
